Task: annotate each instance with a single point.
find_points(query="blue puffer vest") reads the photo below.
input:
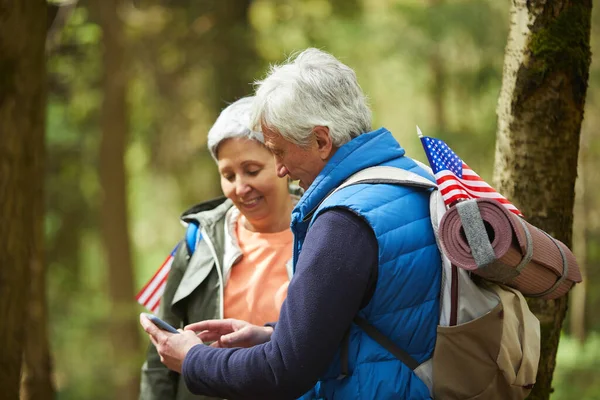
(405, 305)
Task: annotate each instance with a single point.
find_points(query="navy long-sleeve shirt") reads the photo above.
(335, 276)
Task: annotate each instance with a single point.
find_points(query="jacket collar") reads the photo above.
(366, 150)
(218, 220)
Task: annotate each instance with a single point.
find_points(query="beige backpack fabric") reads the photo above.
(492, 357)
(488, 341)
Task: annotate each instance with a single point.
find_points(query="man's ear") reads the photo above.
(324, 144)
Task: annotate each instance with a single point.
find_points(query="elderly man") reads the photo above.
(368, 252)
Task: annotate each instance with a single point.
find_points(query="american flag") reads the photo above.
(455, 179)
(152, 291)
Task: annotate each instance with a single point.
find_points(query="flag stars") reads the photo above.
(448, 169)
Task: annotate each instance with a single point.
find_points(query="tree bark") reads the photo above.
(36, 383)
(22, 114)
(124, 329)
(37, 362)
(540, 111)
(230, 48)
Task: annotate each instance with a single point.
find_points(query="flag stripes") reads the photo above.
(455, 179)
(149, 296)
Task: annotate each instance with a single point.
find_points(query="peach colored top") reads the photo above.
(258, 283)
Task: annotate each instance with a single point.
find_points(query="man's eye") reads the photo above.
(229, 177)
(275, 152)
(253, 173)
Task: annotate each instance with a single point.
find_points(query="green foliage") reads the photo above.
(469, 55)
(576, 375)
(79, 338)
(458, 21)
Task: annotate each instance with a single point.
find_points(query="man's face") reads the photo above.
(299, 163)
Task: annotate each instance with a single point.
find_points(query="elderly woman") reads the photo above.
(241, 261)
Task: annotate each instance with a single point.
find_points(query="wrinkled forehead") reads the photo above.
(272, 137)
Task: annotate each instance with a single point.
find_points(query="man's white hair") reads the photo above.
(233, 122)
(312, 89)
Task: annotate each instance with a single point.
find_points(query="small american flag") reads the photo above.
(455, 179)
(152, 291)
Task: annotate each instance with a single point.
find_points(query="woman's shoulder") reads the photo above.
(216, 205)
(207, 216)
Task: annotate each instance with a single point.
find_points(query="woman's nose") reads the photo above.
(242, 187)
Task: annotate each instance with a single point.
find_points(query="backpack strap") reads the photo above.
(386, 343)
(383, 174)
(192, 237)
(394, 176)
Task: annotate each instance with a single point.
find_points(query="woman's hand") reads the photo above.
(231, 332)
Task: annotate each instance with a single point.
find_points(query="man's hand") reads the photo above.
(231, 332)
(171, 347)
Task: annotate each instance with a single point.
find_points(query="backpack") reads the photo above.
(488, 341)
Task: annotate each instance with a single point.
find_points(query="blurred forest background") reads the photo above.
(133, 87)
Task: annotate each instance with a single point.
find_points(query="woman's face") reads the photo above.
(249, 179)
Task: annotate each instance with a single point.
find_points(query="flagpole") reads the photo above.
(419, 132)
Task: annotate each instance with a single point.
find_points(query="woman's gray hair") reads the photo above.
(233, 122)
(312, 89)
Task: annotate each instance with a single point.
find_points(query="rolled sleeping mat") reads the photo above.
(483, 237)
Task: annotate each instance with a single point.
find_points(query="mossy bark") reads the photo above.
(22, 115)
(540, 111)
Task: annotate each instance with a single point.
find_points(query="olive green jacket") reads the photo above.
(194, 292)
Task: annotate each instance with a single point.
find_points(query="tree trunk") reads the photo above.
(346, 8)
(124, 329)
(231, 50)
(540, 111)
(36, 383)
(22, 113)
(37, 366)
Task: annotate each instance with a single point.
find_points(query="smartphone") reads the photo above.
(160, 323)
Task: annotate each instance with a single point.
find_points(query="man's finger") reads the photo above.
(236, 337)
(207, 336)
(213, 325)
